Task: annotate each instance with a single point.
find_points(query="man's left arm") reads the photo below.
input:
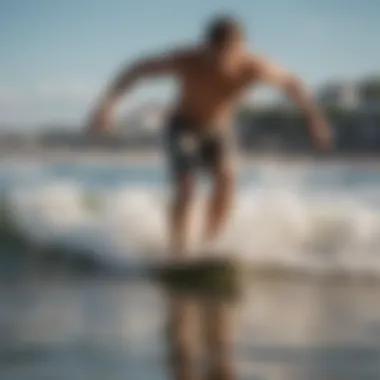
(272, 74)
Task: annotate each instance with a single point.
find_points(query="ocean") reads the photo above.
(76, 237)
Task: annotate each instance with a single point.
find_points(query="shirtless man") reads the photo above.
(212, 78)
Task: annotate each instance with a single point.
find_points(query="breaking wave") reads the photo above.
(279, 227)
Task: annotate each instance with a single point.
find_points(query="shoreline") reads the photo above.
(150, 156)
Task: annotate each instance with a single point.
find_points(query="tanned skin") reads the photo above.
(212, 80)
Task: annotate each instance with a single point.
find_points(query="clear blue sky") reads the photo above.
(57, 54)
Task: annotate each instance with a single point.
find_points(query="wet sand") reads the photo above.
(71, 328)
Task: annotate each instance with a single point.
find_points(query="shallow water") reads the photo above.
(320, 219)
(95, 329)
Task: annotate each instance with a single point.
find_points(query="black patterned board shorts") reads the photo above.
(190, 149)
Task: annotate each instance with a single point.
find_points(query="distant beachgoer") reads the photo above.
(212, 77)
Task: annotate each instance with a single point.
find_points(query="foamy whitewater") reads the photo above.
(317, 220)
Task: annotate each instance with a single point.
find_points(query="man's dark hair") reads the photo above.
(220, 30)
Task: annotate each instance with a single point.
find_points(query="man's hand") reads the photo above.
(101, 120)
(321, 133)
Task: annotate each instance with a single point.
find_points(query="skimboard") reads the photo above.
(211, 276)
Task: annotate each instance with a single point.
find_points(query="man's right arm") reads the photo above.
(269, 73)
(169, 64)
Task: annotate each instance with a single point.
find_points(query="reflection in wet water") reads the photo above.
(72, 329)
(211, 318)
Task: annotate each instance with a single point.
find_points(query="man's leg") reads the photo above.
(180, 213)
(221, 201)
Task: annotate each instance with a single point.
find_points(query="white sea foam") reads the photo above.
(274, 224)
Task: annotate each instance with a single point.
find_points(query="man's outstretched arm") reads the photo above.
(102, 116)
(272, 74)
